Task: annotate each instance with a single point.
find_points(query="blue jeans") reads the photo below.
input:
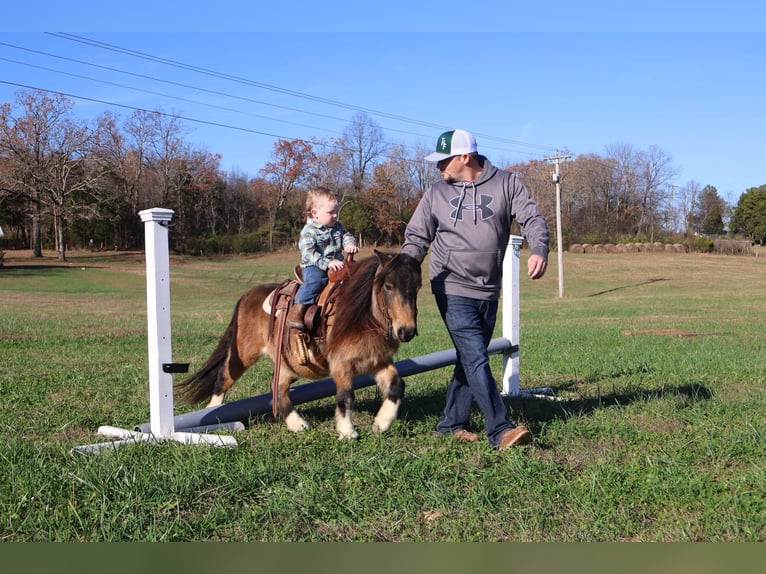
(470, 323)
(314, 280)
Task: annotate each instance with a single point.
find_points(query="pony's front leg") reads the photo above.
(293, 420)
(391, 386)
(344, 404)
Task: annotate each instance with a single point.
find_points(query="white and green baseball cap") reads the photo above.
(453, 142)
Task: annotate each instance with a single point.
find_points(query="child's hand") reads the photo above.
(351, 249)
(335, 265)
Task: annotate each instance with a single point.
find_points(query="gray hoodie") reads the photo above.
(467, 225)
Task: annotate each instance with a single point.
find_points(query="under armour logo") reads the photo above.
(483, 208)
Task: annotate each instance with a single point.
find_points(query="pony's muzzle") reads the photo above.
(405, 334)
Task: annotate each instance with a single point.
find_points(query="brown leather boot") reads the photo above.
(295, 316)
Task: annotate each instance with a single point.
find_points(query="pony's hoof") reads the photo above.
(378, 429)
(353, 436)
(296, 422)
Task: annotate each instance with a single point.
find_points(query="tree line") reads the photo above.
(67, 183)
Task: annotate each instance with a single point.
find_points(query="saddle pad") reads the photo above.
(267, 303)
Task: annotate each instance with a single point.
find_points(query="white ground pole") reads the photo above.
(162, 428)
(511, 323)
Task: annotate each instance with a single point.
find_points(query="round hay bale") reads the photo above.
(575, 248)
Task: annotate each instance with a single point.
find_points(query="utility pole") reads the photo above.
(556, 179)
(673, 212)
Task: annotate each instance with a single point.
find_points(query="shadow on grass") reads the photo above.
(535, 411)
(541, 410)
(647, 282)
(44, 270)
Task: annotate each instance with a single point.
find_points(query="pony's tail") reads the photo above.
(200, 385)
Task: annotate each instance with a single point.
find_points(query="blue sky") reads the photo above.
(527, 80)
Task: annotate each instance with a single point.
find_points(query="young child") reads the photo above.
(322, 243)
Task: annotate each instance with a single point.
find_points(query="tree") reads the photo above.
(707, 216)
(289, 165)
(201, 196)
(687, 204)
(238, 206)
(364, 143)
(656, 172)
(330, 168)
(47, 149)
(750, 214)
(588, 186)
(387, 199)
(122, 151)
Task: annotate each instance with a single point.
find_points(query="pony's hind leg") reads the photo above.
(231, 370)
(344, 404)
(391, 386)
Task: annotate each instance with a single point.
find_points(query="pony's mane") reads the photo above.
(354, 313)
(355, 299)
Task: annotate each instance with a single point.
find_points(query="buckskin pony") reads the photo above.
(374, 310)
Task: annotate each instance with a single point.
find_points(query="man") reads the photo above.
(466, 222)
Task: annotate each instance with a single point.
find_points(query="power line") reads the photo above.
(210, 91)
(228, 77)
(186, 118)
(106, 82)
(294, 93)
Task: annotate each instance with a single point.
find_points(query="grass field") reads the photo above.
(660, 434)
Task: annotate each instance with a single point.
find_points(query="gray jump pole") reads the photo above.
(508, 344)
(243, 409)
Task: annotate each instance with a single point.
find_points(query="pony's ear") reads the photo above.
(383, 257)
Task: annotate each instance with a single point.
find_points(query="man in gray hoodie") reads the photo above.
(466, 222)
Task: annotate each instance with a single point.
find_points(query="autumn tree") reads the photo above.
(289, 165)
(203, 192)
(329, 166)
(536, 175)
(419, 173)
(47, 149)
(122, 152)
(239, 208)
(167, 156)
(387, 198)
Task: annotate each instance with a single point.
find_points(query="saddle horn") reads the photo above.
(339, 275)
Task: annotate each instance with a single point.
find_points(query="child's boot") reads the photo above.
(295, 316)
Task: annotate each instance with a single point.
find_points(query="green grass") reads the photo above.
(658, 434)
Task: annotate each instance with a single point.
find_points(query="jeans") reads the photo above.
(470, 323)
(314, 280)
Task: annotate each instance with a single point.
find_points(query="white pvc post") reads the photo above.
(158, 315)
(162, 424)
(511, 313)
